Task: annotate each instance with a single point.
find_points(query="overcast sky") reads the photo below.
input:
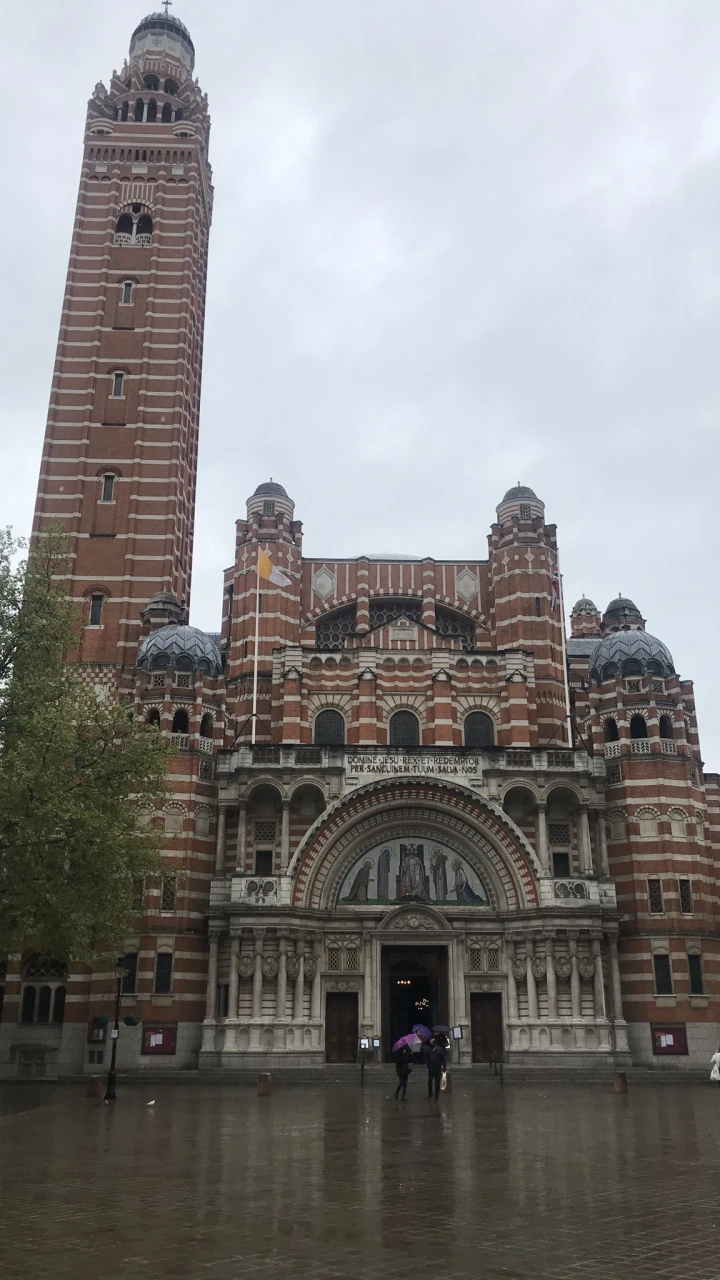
(456, 243)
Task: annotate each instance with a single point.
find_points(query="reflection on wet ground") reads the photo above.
(214, 1183)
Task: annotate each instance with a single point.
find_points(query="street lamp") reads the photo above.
(120, 973)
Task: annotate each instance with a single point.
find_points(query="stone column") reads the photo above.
(285, 836)
(208, 1031)
(220, 846)
(241, 836)
(368, 1011)
(316, 991)
(299, 981)
(281, 1000)
(541, 839)
(621, 1040)
(460, 997)
(511, 982)
(601, 838)
(574, 976)
(586, 863)
(232, 1018)
(531, 983)
(551, 976)
(257, 990)
(598, 986)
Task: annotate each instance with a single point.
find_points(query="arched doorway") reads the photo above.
(414, 990)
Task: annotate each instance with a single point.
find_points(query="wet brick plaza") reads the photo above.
(214, 1183)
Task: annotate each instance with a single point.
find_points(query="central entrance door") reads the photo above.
(341, 1026)
(486, 1029)
(414, 989)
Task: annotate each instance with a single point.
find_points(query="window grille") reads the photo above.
(39, 966)
(476, 960)
(183, 680)
(696, 975)
(663, 975)
(265, 833)
(268, 507)
(479, 730)
(686, 900)
(404, 730)
(331, 630)
(329, 730)
(655, 897)
(613, 773)
(167, 896)
(455, 626)
(383, 612)
(525, 512)
(559, 833)
(519, 759)
(333, 959)
(658, 686)
(157, 680)
(205, 771)
(351, 959)
(634, 686)
(493, 959)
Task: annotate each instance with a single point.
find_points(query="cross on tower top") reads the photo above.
(166, 6)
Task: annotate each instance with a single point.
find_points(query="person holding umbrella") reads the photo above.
(435, 1061)
(403, 1050)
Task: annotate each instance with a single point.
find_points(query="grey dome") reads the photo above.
(583, 605)
(520, 491)
(268, 489)
(630, 653)
(182, 647)
(164, 22)
(622, 607)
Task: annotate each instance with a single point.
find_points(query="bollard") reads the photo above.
(95, 1086)
(620, 1084)
(264, 1084)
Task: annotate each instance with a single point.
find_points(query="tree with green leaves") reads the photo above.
(78, 775)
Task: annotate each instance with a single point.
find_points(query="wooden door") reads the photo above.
(341, 1027)
(486, 1027)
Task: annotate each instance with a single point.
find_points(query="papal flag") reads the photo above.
(266, 569)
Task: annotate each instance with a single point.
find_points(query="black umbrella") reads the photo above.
(444, 1030)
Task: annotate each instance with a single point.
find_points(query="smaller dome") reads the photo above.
(583, 605)
(519, 491)
(630, 653)
(269, 488)
(181, 647)
(622, 613)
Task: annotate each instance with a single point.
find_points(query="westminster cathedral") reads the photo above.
(402, 789)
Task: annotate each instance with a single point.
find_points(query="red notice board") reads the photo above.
(669, 1037)
(161, 1038)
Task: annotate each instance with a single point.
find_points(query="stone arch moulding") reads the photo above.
(447, 811)
(413, 918)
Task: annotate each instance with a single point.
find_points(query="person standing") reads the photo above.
(715, 1064)
(403, 1058)
(435, 1061)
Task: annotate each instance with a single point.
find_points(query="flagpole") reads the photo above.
(257, 643)
(561, 602)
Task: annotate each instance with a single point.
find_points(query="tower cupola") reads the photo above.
(162, 33)
(585, 619)
(270, 499)
(622, 615)
(519, 504)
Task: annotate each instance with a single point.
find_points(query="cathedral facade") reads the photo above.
(399, 793)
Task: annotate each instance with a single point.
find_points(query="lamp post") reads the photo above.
(120, 973)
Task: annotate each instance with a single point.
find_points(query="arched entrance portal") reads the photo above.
(414, 988)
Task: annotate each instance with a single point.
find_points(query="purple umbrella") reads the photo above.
(423, 1032)
(412, 1041)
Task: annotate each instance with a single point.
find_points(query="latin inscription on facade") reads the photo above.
(413, 764)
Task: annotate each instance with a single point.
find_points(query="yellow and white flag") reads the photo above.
(266, 569)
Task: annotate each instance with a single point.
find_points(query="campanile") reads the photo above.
(120, 454)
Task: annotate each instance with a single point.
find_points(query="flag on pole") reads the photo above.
(555, 592)
(266, 569)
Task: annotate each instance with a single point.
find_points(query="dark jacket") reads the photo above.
(434, 1057)
(403, 1058)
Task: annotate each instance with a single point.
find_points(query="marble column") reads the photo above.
(541, 838)
(511, 982)
(574, 977)
(257, 991)
(586, 862)
(220, 846)
(601, 838)
(232, 1018)
(598, 986)
(241, 837)
(299, 994)
(620, 1025)
(531, 983)
(551, 976)
(367, 1018)
(208, 1031)
(281, 1000)
(458, 948)
(285, 836)
(316, 990)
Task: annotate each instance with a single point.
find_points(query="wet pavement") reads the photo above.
(214, 1183)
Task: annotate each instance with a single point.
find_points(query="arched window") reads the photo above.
(181, 723)
(145, 225)
(96, 609)
(479, 730)
(152, 111)
(129, 964)
(404, 730)
(631, 667)
(678, 825)
(153, 717)
(163, 973)
(139, 108)
(127, 293)
(171, 86)
(610, 730)
(638, 727)
(667, 728)
(124, 225)
(206, 726)
(152, 83)
(45, 1003)
(178, 115)
(166, 113)
(124, 111)
(118, 385)
(329, 729)
(108, 487)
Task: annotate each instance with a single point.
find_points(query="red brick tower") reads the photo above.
(120, 454)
